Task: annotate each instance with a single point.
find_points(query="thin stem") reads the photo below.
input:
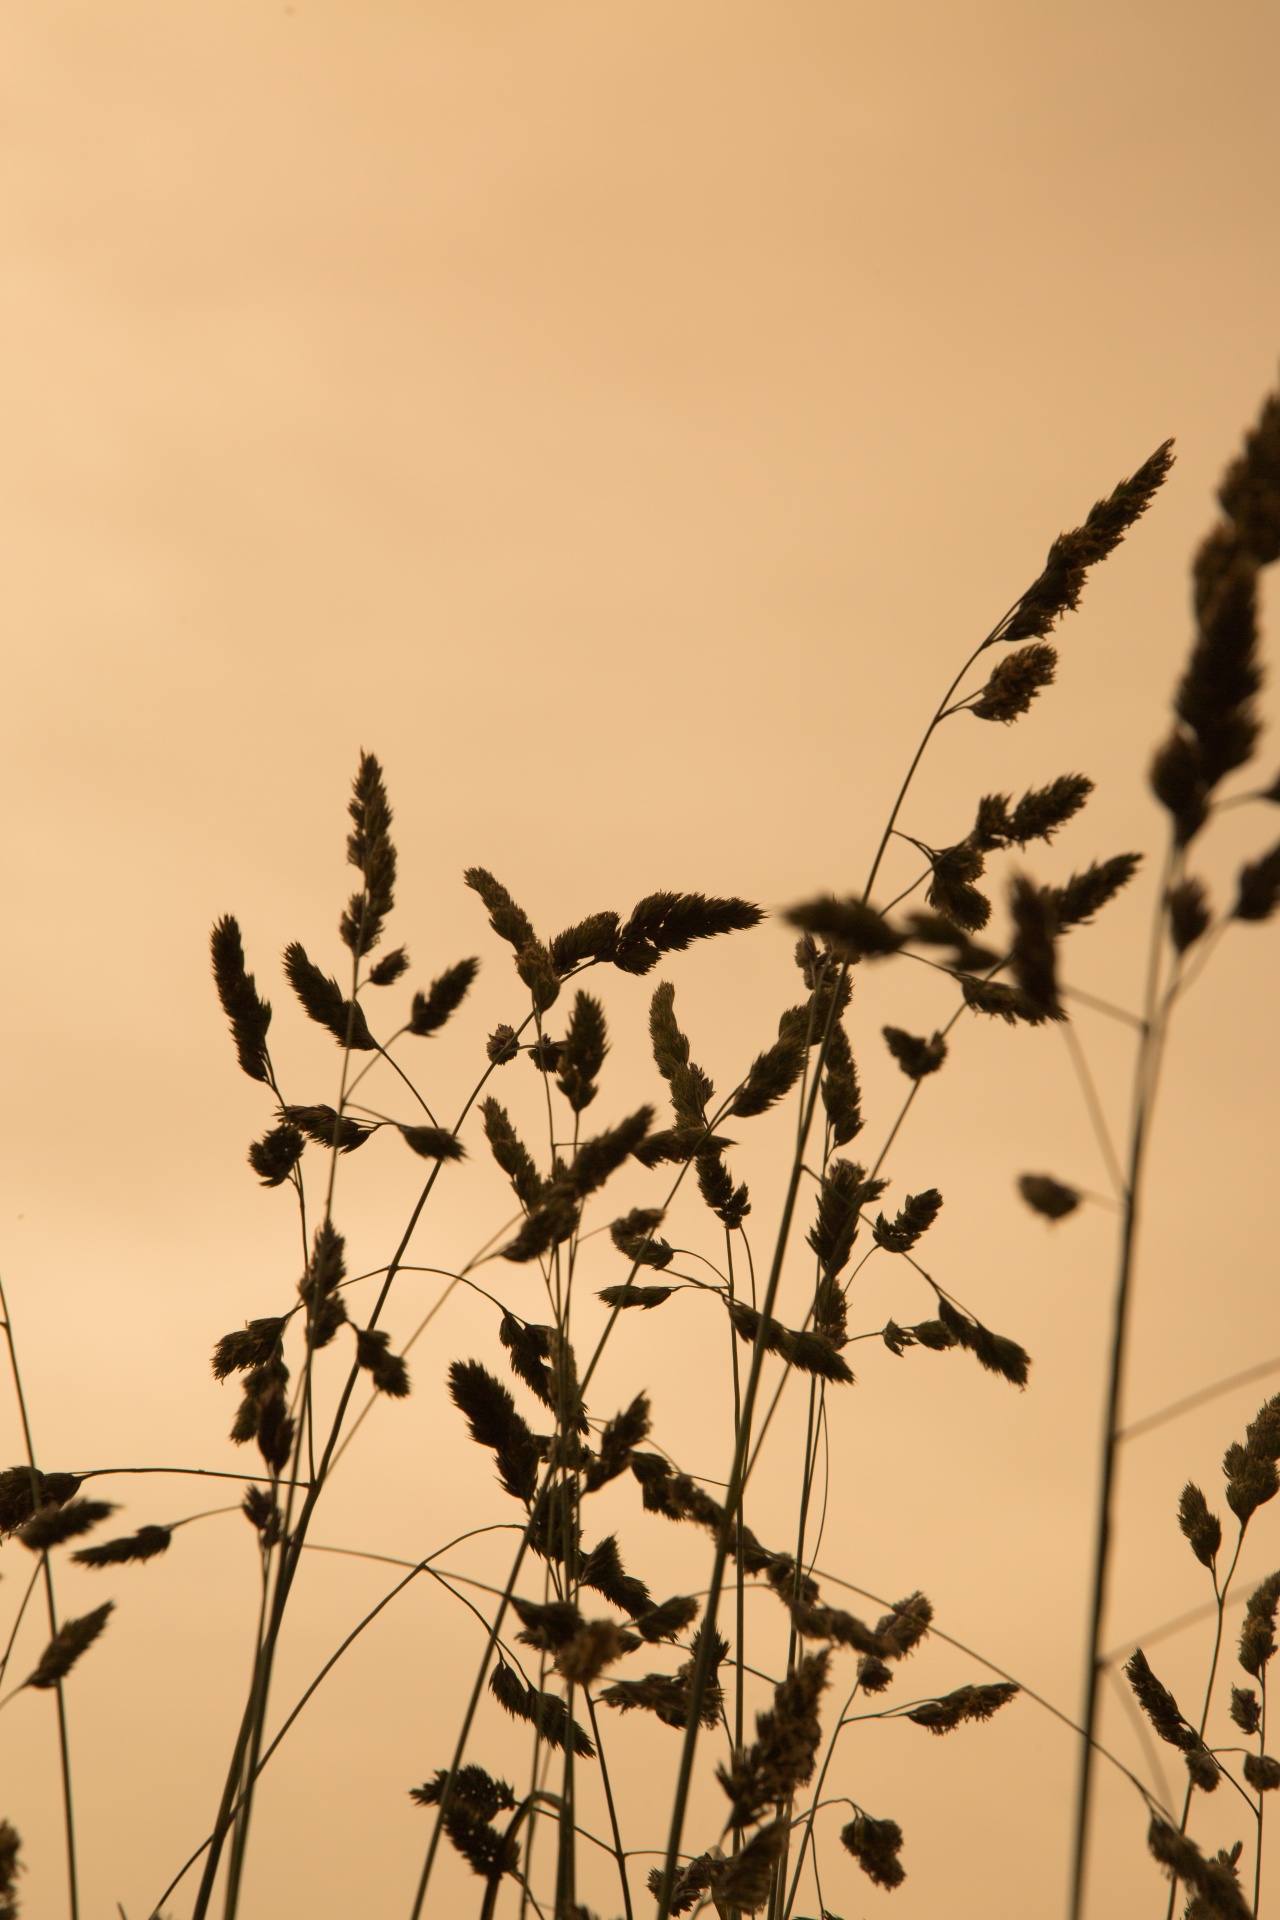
(1097, 1118)
(608, 1799)
(702, 1665)
(1262, 1798)
(64, 1748)
(1145, 1074)
(1220, 1594)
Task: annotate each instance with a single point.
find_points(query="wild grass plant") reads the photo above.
(771, 1651)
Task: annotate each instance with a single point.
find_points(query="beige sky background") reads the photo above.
(622, 418)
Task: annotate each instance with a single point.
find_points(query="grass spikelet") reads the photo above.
(668, 1696)
(633, 1235)
(327, 1127)
(1214, 700)
(951, 889)
(844, 1192)
(1058, 587)
(1010, 1004)
(1203, 1769)
(274, 1157)
(50, 1525)
(841, 1094)
(385, 972)
(691, 1881)
(853, 930)
(1037, 815)
(915, 1055)
(1246, 1709)
(511, 1154)
(529, 1348)
(595, 938)
(963, 1704)
(875, 1845)
(1075, 903)
(602, 1570)
(679, 1143)
(771, 1076)
(369, 848)
(815, 1622)
(620, 1437)
(1032, 957)
(905, 1625)
(433, 1143)
(263, 1414)
(667, 1621)
(935, 930)
(475, 1798)
(809, 1352)
(534, 965)
(493, 1422)
(72, 1639)
(260, 1510)
(1202, 1528)
(250, 1347)
(1176, 778)
(548, 1626)
(602, 1155)
(634, 1296)
(248, 1012)
(1251, 1480)
(1250, 491)
(323, 1001)
(690, 1087)
(582, 1052)
(502, 1046)
(1213, 1880)
(914, 1218)
(145, 1544)
(387, 1370)
(551, 1222)
(1258, 888)
(23, 1489)
(1189, 916)
(596, 1645)
(991, 1350)
(670, 922)
(508, 920)
(743, 1883)
(545, 1711)
(873, 1675)
(1258, 1632)
(1262, 1772)
(1014, 683)
(10, 1868)
(728, 1202)
(445, 995)
(1047, 1196)
(1159, 1705)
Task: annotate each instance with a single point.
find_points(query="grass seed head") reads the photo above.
(875, 1845)
(445, 995)
(72, 1639)
(248, 1012)
(145, 1544)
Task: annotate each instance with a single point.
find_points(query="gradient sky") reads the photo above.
(621, 418)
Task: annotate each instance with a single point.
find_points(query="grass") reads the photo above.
(756, 1671)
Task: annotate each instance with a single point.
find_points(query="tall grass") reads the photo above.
(759, 1667)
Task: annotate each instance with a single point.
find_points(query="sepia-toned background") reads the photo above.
(622, 418)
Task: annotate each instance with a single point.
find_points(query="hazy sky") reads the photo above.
(622, 418)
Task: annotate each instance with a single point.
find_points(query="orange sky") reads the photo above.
(621, 418)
